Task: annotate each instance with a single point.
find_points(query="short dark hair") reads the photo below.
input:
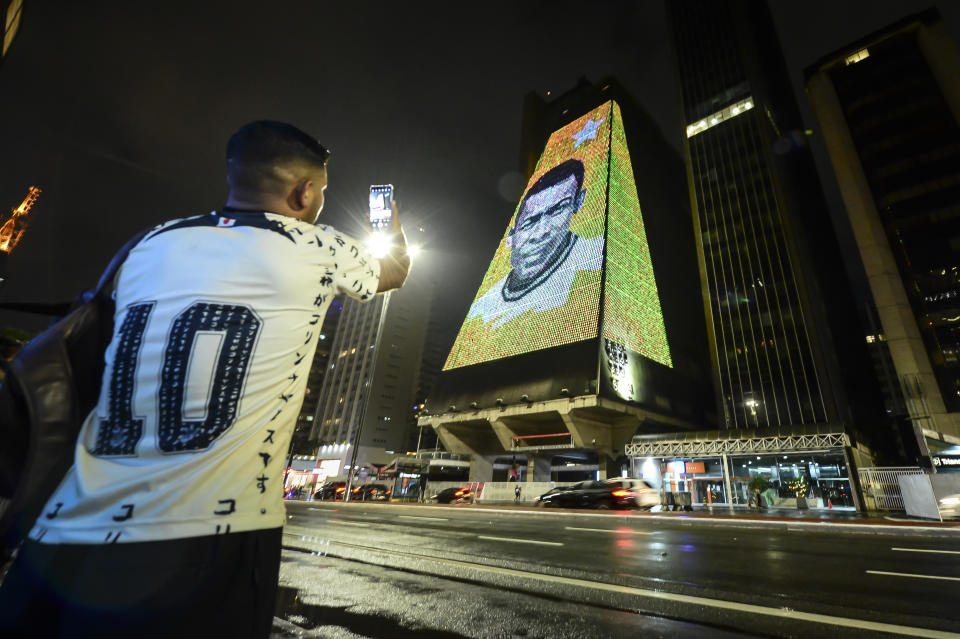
(257, 147)
(556, 175)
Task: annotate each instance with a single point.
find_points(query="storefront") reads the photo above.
(719, 468)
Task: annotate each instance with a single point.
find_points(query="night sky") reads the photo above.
(120, 111)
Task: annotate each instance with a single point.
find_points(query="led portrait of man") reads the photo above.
(545, 255)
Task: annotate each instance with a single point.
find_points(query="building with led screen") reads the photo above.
(565, 346)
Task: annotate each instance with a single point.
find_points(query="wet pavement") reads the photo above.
(337, 599)
(425, 569)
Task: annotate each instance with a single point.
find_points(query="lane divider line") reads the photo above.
(845, 622)
(426, 518)
(907, 574)
(944, 552)
(608, 530)
(522, 541)
(347, 523)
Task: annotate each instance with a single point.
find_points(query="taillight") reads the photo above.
(459, 493)
(621, 493)
(341, 489)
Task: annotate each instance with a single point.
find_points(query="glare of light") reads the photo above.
(378, 244)
(413, 250)
(714, 121)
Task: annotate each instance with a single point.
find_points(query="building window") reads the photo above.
(714, 119)
(862, 54)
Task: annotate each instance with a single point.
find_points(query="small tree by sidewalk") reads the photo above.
(799, 488)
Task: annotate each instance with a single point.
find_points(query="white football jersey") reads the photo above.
(218, 317)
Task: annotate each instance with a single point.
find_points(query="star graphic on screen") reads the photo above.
(588, 132)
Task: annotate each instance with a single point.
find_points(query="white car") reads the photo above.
(644, 495)
(949, 506)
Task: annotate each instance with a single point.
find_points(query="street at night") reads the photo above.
(543, 319)
(499, 572)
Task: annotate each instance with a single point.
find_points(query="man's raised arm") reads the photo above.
(395, 265)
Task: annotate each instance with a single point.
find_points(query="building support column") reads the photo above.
(728, 486)
(538, 467)
(481, 468)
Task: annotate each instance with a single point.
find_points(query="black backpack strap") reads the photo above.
(118, 261)
(43, 403)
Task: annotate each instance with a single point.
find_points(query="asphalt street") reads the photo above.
(460, 571)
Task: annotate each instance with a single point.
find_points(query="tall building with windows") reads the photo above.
(379, 391)
(787, 350)
(889, 108)
(301, 444)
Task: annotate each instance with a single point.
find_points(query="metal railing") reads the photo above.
(551, 441)
(881, 486)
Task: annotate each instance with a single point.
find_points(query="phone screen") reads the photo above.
(380, 210)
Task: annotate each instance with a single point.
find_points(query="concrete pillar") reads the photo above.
(538, 467)
(725, 462)
(481, 467)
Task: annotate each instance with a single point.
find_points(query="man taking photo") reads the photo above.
(170, 519)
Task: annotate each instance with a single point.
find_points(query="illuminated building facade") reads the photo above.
(584, 330)
(889, 108)
(13, 227)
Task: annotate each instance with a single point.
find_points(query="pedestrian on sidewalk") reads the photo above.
(168, 525)
(516, 493)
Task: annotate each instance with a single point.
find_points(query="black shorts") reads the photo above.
(216, 586)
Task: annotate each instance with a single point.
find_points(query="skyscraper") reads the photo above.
(785, 345)
(889, 108)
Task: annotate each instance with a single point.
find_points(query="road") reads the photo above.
(427, 569)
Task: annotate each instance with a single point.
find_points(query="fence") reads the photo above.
(881, 487)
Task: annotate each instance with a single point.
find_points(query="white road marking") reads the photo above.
(427, 518)
(347, 523)
(522, 541)
(907, 574)
(608, 530)
(945, 552)
(844, 622)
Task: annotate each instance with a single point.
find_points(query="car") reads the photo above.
(454, 496)
(645, 496)
(331, 491)
(602, 494)
(949, 506)
(371, 492)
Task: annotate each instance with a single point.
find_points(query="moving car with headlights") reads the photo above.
(331, 491)
(455, 496)
(371, 492)
(949, 506)
(602, 494)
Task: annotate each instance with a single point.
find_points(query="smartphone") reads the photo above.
(381, 198)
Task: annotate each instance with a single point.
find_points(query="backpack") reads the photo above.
(48, 389)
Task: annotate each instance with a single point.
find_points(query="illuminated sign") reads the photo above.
(631, 305)
(543, 286)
